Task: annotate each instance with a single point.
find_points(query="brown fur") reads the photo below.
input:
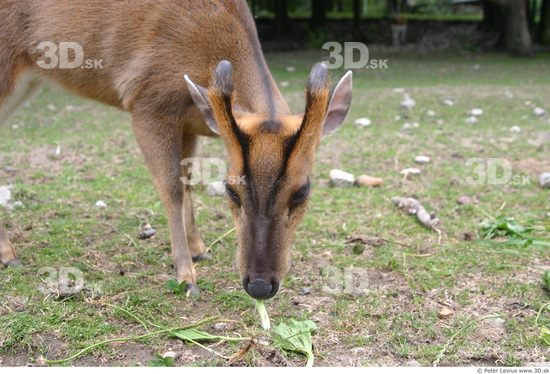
(147, 46)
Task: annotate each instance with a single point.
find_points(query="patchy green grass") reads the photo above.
(407, 276)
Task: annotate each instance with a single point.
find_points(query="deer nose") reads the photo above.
(260, 289)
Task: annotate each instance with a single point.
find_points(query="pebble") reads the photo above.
(527, 103)
(544, 180)
(16, 205)
(398, 90)
(464, 200)
(515, 129)
(100, 204)
(366, 180)
(431, 113)
(539, 112)
(146, 234)
(362, 122)
(52, 107)
(413, 363)
(5, 195)
(471, 120)
(290, 69)
(508, 94)
(410, 171)
(477, 67)
(448, 102)
(398, 118)
(285, 84)
(69, 108)
(170, 354)
(340, 178)
(476, 112)
(220, 326)
(416, 125)
(407, 126)
(440, 122)
(422, 159)
(304, 291)
(216, 189)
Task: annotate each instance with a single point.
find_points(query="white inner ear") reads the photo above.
(339, 105)
(203, 105)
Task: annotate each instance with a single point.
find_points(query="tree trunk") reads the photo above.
(318, 14)
(544, 26)
(518, 39)
(357, 19)
(281, 17)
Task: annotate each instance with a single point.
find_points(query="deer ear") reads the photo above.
(200, 98)
(339, 101)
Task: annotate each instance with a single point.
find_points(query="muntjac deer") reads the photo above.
(182, 69)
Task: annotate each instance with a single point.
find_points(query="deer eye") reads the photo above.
(232, 194)
(301, 194)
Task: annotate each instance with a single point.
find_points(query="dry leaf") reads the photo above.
(445, 313)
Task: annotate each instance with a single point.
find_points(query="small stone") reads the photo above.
(14, 127)
(431, 113)
(471, 120)
(463, 200)
(422, 159)
(52, 107)
(448, 102)
(508, 94)
(539, 112)
(440, 122)
(410, 171)
(285, 84)
(69, 108)
(527, 103)
(362, 122)
(170, 354)
(100, 204)
(544, 180)
(477, 67)
(415, 125)
(515, 129)
(413, 364)
(398, 118)
(5, 195)
(304, 291)
(398, 90)
(290, 69)
(341, 179)
(496, 322)
(476, 112)
(16, 205)
(407, 126)
(216, 189)
(220, 326)
(366, 180)
(146, 234)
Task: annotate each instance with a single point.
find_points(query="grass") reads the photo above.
(410, 276)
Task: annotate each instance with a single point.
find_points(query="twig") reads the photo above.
(80, 353)
(220, 238)
(538, 314)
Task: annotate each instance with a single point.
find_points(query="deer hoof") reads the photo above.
(14, 264)
(202, 257)
(192, 289)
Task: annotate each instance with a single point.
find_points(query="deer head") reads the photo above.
(271, 157)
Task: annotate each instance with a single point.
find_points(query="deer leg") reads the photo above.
(7, 252)
(194, 242)
(162, 146)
